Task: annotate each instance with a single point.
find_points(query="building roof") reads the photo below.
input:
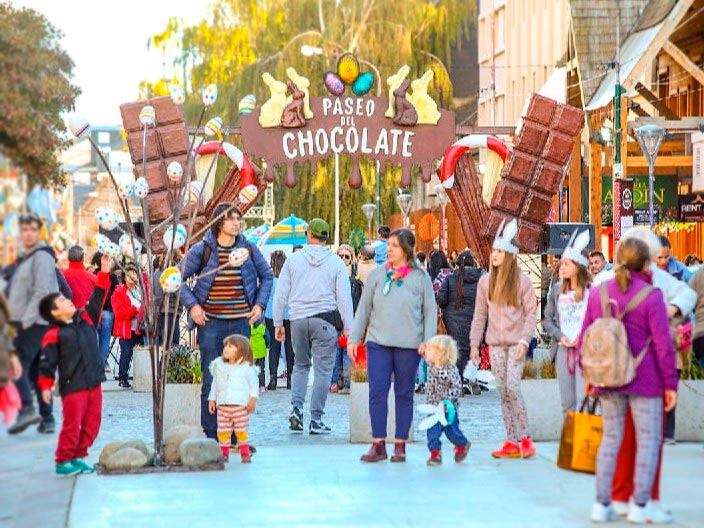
(595, 36)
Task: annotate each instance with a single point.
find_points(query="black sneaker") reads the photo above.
(46, 426)
(26, 417)
(296, 420)
(318, 428)
(124, 384)
(272, 385)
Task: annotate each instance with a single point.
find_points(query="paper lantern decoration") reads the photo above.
(125, 189)
(363, 84)
(79, 126)
(348, 68)
(214, 127)
(170, 279)
(126, 247)
(247, 104)
(147, 116)
(102, 243)
(194, 190)
(333, 83)
(140, 188)
(107, 218)
(210, 95)
(238, 256)
(174, 172)
(179, 240)
(177, 94)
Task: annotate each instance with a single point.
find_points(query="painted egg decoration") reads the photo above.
(126, 247)
(213, 127)
(247, 104)
(348, 68)
(147, 115)
(79, 126)
(140, 188)
(248, 194)
(113, 250)
(107, 218)
(363, 84)
(238, 256)
(179, 240)
(125, 189)
(170, 279)
(177, 94)
(333, 83)
(210, 94)
(174, 172)
(102, 243)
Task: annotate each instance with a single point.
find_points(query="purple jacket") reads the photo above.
(657, 371)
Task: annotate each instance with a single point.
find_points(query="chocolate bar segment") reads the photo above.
(509, 197)
(538, 207)
(548, 177)
(558, 148)
(520, 167)
(532, 138)
(540, 110)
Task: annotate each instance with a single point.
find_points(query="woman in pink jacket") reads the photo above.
(504, 318)
(647, 329)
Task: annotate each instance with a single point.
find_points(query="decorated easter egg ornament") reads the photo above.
(79, 126)
(107, 218)
(333, 83)
(147, 115)
(210, 95)
(177, 94)
(247, 104)
(170, 279)
(238, 256)
(193, 192)
(140, 188)
(179, 240)
(363, 84)
(348, 68)
(125, 189)
(174, 172)
(101, 242)
(214, 127)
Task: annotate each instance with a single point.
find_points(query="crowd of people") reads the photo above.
(423, 320)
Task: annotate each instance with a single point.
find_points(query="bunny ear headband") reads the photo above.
(505, 235)
(576, 246)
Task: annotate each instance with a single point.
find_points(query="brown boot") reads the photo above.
(399, 452)
(376, 452)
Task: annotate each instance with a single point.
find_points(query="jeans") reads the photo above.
(422, 374)
(452, 432)
(210, 338)
(341, 371)
(275, 349)
(382, 361)
(28, 344)
(126, 350)
(670, 419)
(177, 330)
(105, 333)
(314, 344)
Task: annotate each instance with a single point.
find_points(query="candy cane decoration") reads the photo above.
(454, 151)
(248, 188)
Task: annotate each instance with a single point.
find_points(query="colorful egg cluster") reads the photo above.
(247, 104)
(170, 279)
(348, 74)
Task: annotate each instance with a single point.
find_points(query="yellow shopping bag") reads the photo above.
(581, 436)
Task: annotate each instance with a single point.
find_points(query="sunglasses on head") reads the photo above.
(345, 256)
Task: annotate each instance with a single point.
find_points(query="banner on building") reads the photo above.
(664, 197)
(692, 207)
(698, 161)
(624, 207)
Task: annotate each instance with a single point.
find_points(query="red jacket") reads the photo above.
(81, 281)
(124, 313)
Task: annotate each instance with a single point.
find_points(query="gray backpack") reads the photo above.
(607, 360)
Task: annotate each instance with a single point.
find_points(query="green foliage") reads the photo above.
(34, 91)
(242, 39)
(183, 366)
(692, 370)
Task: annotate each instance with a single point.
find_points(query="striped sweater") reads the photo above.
(226, 299)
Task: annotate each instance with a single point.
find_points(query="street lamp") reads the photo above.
(442, 198)
(404, 200)
(649, 138)
(369, 209)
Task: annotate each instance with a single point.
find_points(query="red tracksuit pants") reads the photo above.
(82, 411)
(622, 488)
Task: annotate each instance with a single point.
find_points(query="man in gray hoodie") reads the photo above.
(315, 286)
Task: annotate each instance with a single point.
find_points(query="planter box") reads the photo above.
(181, 404)
(545, 418)
(141, 370)
(689, 418)
(360, 422)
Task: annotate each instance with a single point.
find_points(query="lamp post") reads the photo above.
(404, 200)
(368, 209)
(649, 138)
(442, 198)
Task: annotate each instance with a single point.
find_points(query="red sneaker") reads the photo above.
(225, 452)
(461, 452)
(527, 447)
(508, 450)
(435, 458)
(245, 453)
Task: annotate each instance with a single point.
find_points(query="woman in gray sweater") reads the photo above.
(398, 313)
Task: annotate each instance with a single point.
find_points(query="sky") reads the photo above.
(107, 40)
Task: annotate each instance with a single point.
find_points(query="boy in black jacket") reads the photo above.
(72, 345)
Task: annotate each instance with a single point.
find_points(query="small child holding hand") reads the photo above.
(233, 394)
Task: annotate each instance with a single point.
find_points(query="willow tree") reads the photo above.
(241, 39)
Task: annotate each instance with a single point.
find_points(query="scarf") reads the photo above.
(395, 275)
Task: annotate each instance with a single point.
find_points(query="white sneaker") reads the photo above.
(637, 514)
(621, 508)
(601, 513)
(656, 514)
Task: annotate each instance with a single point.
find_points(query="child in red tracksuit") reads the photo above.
(71, 344)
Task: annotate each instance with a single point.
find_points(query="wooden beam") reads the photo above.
(595, 181)
(653, 100)
(685, 124)
(666, 147)
(684, 61)
(575, 183)
(639, 162)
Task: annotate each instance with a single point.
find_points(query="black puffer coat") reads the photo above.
(458, 320)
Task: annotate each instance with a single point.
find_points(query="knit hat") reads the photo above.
(319, 228)
(504, 237)
(576, 246)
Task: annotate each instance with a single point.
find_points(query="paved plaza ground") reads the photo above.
(302, 480)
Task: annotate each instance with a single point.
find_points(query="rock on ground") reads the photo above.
(200, 452)
(109, 449)
(126, 458)
(173, 439)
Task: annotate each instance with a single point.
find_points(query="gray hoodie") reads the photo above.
(34, 278)
(312, 281)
